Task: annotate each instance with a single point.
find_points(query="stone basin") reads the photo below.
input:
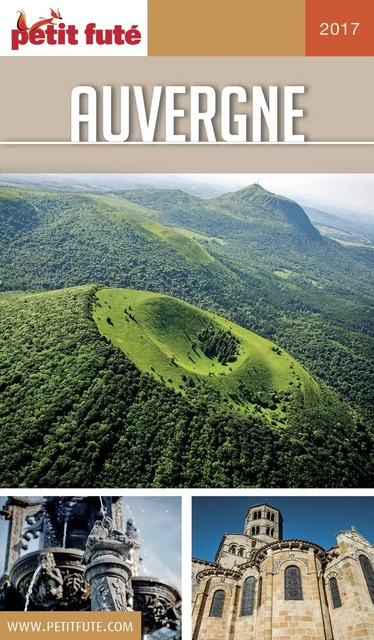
(60, 583)
(159, 602)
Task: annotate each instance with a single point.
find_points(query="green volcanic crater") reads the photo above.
(163, 336)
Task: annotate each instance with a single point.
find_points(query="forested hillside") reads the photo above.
(16, 216)
(76, 412)
(159, 394)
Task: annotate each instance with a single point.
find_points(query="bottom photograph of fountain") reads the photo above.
(82, 554)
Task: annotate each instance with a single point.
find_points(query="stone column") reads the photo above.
(231, 617)
(16, 518)
(317, 604)
(199, 609)
(324, 605)
(107, 570)
(267, 590)
(16, 510)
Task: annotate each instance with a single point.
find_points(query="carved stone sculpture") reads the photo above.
(106, 570)
(50, 580)
(59, 584)
(159, 603)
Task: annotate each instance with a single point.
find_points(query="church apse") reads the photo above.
(263, 587)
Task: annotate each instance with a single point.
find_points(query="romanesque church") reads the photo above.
(262, 587)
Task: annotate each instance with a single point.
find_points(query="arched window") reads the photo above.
(255, 515)
(217, 604)
(272, 532)
(259, 597)
(368, 572)
(335, 595)
(253, 531)
(268, 531)
(248, 597)
(272, 517)
(241, 553)
(257, 530)
(259, 514)
(292, 584)
(268, 515)
(232, 549)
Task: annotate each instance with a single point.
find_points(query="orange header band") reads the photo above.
(217, 28)
(261, 28)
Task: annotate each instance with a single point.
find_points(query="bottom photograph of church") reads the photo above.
(283, 568)
(82, 554)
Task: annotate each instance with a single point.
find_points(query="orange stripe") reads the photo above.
(226, 28)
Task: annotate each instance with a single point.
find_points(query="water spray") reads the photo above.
(103, 509)
(65, 533)
(31, 586)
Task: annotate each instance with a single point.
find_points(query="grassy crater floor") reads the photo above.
(160, 334)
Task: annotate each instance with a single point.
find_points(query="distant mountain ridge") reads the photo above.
(354, 230)
(251, 215)
(259, 200)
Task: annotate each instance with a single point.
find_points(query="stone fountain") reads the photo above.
(84, 562)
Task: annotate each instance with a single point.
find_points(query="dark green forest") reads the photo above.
(219, 344)
(75, 411)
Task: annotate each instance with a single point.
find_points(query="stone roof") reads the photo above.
(262, 504)
(207, 562)
(258, 555)
(217, 570)
(292, 543)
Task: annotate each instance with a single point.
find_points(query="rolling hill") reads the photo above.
(58, 240)
(253, 209)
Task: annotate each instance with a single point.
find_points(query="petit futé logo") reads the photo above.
(53, 32)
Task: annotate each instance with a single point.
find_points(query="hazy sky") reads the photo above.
(349, 191)
(159, 522)
(316, 519)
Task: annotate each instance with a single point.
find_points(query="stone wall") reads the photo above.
(197, 566)
(204, 626)
(355, 617)
(294, 619)
(242, 544)
(277, 617)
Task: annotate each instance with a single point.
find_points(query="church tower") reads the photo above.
(264, 523)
